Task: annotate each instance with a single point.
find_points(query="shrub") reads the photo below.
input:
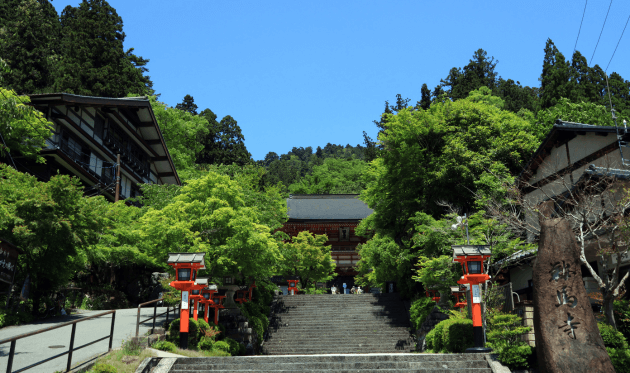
(193, 332)
(434, 338)
(222, 345)
(234, 346)
(103, 368)
(504, 336)
(203, 327)
(515, 355)
(620, 358)
(420, 309)
(622, 316)
(165, 346)
(612, 338)
(457, 335)
(206, 344)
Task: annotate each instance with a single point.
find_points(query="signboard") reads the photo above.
(184, 300)
(476, 294)
(8, 261)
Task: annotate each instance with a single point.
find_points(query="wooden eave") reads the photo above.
(558, 136)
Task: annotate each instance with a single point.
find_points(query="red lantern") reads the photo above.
(471, 257)
(186, 266)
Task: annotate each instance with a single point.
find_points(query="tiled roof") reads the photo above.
(327, 207)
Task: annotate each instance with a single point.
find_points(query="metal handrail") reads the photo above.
(13, 341)
(138, 322)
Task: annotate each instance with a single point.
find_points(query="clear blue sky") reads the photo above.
(306, 73)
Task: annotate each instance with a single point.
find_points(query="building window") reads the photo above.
(344, 234)
(227, 280)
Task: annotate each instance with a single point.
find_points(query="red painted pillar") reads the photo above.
(195, 305)
(206, 309)
(183, 321)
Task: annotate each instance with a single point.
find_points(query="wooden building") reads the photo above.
(571, 154)
(335, 215)
(90, 132)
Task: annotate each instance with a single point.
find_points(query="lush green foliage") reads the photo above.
(504, 332)
(453, 335)
(194, 332)
(612, 338)
(334, 176)
(23, 129)
(166, 346)
(622, 316)
(306, 256)
(617, 347)
(222, 345)
(51, 222)
(211, 215)
(420, 309)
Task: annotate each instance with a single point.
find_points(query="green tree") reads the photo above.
(188, 105)
(224, 143)
(92, 60)
(306, 256)
(425, 101)
(23, 129)
(444, 153)
(212, 215)
(478, 73)
(29, 43)
(555, 77)
(51, 222)
(334, 176)
(182, 132)
(583, 112)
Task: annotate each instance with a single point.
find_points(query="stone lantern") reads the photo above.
(471, 257)
(186, 266)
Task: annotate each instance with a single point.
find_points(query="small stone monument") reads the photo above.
(567, 336)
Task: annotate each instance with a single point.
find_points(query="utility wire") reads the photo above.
(580, 29)
(613, 55)
(600, 33)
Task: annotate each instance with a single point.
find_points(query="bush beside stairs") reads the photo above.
(338, 333)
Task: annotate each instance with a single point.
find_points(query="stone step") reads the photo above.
(334, 357)
(438, 370)
(323, 365)
(340, 328)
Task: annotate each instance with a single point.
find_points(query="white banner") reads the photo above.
(476, 295)
(184, 300)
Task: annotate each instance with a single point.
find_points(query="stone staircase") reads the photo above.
(381, 363)
(339, 324)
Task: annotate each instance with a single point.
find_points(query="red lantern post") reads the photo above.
(459, 294)
(471, 257)
(206, 300)
(293, 285)
(196, 296)
(186, 266)
(217, 305)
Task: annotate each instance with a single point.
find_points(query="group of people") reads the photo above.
(354, 290)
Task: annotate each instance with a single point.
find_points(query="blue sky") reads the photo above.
(306, 73)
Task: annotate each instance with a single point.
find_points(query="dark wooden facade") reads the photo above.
(88, 134)
(335, 215)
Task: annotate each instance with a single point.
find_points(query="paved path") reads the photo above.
(35, 348)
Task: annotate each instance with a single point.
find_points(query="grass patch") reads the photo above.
(201, 353)
(122, 362)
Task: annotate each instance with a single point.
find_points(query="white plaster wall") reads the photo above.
(553, 163)
(519, 276)
(584, 145)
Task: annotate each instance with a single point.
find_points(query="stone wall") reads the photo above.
(525, 309)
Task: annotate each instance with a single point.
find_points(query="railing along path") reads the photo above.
(13, 341)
